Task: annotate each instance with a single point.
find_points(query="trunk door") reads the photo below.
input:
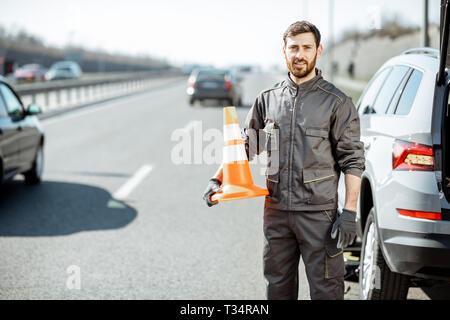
(447, 53)
(440, 114)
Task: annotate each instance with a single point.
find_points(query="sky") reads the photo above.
(198, 31)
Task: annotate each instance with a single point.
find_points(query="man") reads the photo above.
(312, 133)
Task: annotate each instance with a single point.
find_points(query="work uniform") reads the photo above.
(311, 133)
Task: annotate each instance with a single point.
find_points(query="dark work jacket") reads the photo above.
(311, 133)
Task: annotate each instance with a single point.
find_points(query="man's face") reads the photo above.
(300, 52)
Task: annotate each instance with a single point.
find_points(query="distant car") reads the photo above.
(403, 215)
(30, 72)
(245, 69)
(64, 70)
(214, 84)
(21, 137)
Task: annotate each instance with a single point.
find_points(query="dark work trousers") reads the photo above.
(292, 234)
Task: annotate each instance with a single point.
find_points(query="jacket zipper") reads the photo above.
(291, 151)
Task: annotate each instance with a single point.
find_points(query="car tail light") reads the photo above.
(412, 156)
(420, 214)
(191, 82)
(227, 85)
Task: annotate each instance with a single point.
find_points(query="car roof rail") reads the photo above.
(424, 50)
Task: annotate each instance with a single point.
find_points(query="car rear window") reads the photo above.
(409, 93)
(389, 87)
(371, 92)
(12, 103)
(211, 75)
(3, 111)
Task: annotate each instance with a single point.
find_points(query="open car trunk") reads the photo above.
(446, 149)
(441, 112)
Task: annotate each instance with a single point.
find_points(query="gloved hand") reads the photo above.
(213, 187)
(345, 224)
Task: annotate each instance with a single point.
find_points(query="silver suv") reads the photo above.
(403, 216)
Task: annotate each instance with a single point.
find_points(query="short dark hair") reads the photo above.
(302, 27)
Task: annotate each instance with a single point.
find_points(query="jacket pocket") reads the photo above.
(314, 137)
(271, 136)
(273, 161)
(272, 182)
(313, 132)
(321, 184)
(271, 143)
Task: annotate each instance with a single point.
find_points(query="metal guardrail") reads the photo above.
(91, 87)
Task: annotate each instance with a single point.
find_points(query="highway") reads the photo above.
(117, 216)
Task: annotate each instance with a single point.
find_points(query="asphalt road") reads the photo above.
(117, 216)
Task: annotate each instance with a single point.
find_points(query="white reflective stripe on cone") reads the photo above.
(231, 132)
(234, 153)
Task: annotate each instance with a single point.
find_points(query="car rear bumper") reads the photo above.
(426, 255)
(211, 94)
(25, 78)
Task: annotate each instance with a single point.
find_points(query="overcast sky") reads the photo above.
(206, 31)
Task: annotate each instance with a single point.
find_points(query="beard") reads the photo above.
(304, 70)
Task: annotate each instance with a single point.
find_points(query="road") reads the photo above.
(118, 217)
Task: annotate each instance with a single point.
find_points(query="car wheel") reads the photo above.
(376, 280)
(33, 176)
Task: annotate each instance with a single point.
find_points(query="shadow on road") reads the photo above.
(441, 292)
(57, 208)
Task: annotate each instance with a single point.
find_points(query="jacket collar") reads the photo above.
(305, 86)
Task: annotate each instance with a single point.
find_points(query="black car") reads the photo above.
(214, 84)
(21, 137)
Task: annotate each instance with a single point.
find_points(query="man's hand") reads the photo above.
(346, 226)
(213, 187)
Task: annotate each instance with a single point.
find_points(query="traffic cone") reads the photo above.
(237, 178)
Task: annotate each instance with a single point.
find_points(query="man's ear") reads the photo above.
(284, 49)
(319, 51)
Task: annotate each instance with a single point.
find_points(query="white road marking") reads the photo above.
(132, 183)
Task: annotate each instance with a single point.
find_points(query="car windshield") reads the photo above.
(63, 69)
(211, 75)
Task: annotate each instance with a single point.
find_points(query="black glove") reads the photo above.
(346, 225)
(213, 187)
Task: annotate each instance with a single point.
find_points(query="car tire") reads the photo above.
(33, 176)
(376, 280)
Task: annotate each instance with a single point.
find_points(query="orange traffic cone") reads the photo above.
(237, 178)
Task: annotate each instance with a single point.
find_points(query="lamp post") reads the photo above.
(331, 38)
(425, 35)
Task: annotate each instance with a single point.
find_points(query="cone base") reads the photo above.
(232, 192)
